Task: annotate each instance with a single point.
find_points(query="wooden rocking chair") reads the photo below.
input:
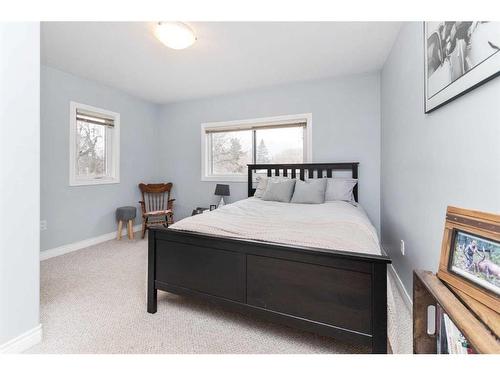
(157, 207)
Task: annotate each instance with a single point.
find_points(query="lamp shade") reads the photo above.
(222, 189)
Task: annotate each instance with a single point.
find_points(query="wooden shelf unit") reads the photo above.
(479, 324)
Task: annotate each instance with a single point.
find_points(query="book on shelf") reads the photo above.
(449, 338)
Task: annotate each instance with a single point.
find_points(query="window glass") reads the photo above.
(231, 152)
(280, 145)
(90, 150)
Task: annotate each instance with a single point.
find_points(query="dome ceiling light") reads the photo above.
(175, 35)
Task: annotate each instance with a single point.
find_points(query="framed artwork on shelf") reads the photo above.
(470, 254)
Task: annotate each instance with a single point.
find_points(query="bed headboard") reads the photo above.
(311, 170)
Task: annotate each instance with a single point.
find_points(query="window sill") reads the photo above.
(242, 178)
(94, 181)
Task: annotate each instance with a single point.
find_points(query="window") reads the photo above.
(227, 147)
(93, 145)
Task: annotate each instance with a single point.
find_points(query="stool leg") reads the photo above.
(130, 230)
(120, 226)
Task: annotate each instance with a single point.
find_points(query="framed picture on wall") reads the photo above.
(470, 254)
(459, 56)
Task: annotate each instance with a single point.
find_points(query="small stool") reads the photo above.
(127, 214)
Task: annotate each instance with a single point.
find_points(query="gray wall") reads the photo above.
(19, 178)
(448, 157)
(346, 127)
(75, 213)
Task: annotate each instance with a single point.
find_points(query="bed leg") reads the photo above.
(152, 300)
(379, 295)
(152, 291)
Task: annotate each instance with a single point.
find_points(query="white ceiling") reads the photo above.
(227, 57)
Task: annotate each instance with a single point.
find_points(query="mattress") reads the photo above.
(333, 225)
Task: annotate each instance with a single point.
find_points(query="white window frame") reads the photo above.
(247, 124)
(112, 143)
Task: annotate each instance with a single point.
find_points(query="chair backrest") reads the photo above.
(155, 196)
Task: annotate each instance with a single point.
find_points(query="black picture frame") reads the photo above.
(462, 85)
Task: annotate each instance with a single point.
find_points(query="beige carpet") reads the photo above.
(94, 301)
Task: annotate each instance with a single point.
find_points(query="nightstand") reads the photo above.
(199, 210)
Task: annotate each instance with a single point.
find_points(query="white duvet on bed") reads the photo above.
(332, 225)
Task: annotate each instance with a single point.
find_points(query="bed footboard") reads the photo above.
(338, 294)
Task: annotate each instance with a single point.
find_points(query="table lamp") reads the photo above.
(223, 191)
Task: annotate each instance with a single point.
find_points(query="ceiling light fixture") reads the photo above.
(175, 35)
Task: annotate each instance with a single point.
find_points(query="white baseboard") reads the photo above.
(47, 254)
(402, 290)
(22, 342)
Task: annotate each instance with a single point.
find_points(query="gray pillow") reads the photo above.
(262, 184)
(340, 189)
(310, 191)
(279, 190)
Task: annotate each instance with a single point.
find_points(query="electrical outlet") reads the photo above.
(402, 247)
(43, 225)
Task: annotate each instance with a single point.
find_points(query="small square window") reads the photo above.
(94, 145)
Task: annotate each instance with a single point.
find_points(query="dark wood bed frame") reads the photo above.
(332, 293)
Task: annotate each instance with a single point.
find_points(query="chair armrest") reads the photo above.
(143, 206)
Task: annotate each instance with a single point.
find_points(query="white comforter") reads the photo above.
(331, 225)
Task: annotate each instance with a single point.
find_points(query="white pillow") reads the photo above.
(340, 189)
(261, 186)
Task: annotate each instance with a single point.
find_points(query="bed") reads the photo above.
(288, 263)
